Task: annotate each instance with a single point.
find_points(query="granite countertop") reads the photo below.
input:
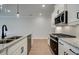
(71, 41)
(7, 45)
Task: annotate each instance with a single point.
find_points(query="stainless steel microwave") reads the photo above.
(62, 18)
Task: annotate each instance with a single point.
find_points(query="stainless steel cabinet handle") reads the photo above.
(22, 49)
(53, 40)
(74, 52)
(65, 53)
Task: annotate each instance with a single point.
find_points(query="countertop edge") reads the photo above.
(70, 44)
(13, 43)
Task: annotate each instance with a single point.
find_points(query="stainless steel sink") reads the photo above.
(9, 39)
(14, 37)
(5, 41)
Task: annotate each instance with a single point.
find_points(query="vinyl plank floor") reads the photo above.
(40, 47)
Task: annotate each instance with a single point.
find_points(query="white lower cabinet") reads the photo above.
(73, 51)
(62, 49)
(18, 48)
(67, 49)
(3, 52)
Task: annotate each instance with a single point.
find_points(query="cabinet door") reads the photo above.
(67, 49)
(60, 8)
(24, 45)
(73, 51)
(63, 47)
(19, 51)
(13, 48)
(18, 48)
(3, 52)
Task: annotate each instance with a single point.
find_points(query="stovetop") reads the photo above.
(63, 35)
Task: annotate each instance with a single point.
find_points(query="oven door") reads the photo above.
(54, 46)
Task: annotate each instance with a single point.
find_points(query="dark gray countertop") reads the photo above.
(63, 35)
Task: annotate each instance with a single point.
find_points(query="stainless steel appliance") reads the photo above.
(54, 44)
(62, 18)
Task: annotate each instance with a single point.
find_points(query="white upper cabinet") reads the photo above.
(72, 9)
(59, 8)
(72, 13)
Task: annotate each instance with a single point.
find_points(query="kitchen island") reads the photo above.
(19, 46)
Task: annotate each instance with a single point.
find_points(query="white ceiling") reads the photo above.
(27, 10)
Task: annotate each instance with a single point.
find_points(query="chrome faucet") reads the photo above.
(3, 33)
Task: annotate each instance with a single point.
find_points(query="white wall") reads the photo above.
(39, 27)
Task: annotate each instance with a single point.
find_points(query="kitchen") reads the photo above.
(33, 20)
(39, 29)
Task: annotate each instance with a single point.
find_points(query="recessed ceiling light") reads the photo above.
(8, 11)
(40, 14)
(0, 6)
(43, 5)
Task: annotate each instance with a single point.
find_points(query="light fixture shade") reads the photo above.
(18, 14)
(1, 6)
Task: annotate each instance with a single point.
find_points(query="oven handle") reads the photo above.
(53, 40)
(61, 43)
(74, 52)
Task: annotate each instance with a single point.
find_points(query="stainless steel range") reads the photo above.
(54, 44)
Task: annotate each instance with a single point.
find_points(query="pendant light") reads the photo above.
(17, 11)
(1, 6)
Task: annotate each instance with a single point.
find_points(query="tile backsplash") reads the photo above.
(66, 30)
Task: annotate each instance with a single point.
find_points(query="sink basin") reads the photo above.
(5, 41)
(9, 39)
(14, 37)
